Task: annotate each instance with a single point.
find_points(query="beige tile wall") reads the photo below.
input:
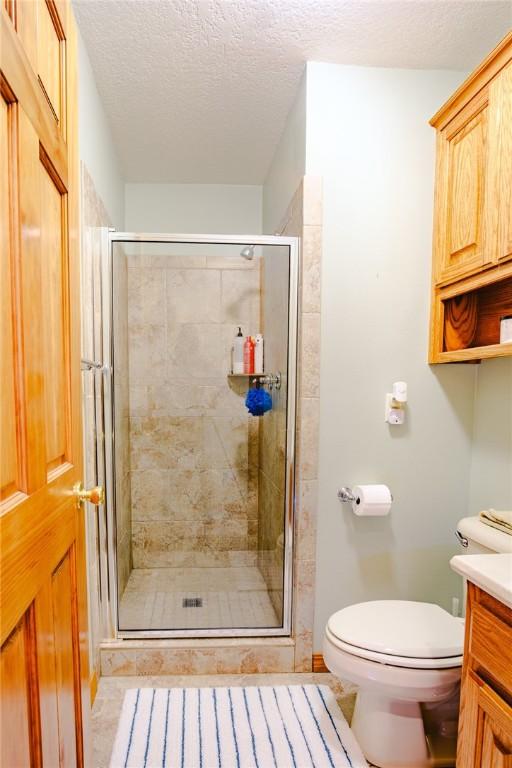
(272, 433)
(304, 219)
(193, 446)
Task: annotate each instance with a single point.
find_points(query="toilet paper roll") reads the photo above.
(371, 500)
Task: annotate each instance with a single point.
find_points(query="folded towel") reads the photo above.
(502, 520)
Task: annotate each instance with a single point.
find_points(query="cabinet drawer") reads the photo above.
(490, 645)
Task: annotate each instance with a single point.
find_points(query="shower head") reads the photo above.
(247, 252)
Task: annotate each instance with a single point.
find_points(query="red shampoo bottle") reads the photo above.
(248, 355)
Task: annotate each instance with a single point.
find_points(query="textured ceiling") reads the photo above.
(199, 90)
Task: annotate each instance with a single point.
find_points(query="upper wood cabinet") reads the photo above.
(472, 243)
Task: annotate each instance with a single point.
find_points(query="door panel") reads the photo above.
(43, 635)
(496, 715)
(466, 174)
(47, 675)
(461, 187)
(15, 742)
(25, 17)
(485, 726)
(64, 611)
(55, 321)
(9, 455)
(501, 171)
(49, 56)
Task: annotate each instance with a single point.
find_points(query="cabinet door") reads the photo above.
(485, 728)
(462, 162)
(496, 730)
(500, 166)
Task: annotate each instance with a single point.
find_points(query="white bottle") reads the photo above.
(258, 353)
(238, 352)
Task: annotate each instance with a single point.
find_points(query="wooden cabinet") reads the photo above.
(485, 723)
(472, 243)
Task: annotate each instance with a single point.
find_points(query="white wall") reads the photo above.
(491, 464)
(368, 136)
(193, 208)
(288, 165)
(97, 149)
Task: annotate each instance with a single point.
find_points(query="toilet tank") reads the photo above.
(477, 538)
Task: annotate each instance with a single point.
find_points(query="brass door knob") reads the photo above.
(94, 495)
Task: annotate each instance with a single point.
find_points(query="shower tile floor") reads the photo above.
(231, 597)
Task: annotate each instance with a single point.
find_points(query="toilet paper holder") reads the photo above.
(345, 495)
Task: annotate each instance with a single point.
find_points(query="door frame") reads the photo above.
(109, 610)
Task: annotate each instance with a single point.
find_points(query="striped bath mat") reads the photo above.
(296, 726)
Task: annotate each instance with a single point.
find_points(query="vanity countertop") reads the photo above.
(492, 573)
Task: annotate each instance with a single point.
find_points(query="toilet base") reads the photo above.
(391, 733)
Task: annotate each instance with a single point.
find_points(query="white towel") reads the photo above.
(502, 520)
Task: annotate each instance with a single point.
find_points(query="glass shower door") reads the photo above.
(201, 506)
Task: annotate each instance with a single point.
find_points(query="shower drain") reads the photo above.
(192, 602)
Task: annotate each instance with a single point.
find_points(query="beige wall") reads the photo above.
(193, 444)
(369, 137)
(491, 451)
(96, 145)
(207, 208)
(288, 165)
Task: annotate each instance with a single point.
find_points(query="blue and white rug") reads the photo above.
(296, 726)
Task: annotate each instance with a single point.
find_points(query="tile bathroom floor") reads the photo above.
(111, 690)
(231, 597)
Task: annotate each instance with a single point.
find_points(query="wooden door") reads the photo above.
(463, 152)
(500, 170)
(43, 660)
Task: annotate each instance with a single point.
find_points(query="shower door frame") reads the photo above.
(111, 624)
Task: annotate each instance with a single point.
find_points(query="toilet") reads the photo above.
(406, 659)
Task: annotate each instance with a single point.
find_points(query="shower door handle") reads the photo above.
(95, 495)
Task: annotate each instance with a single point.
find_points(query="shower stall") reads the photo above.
(196, 535)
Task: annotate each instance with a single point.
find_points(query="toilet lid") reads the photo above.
(400, 628)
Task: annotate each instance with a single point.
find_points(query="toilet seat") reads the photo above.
(399, 633)
(407, 662)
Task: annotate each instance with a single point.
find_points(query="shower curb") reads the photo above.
(197, 657)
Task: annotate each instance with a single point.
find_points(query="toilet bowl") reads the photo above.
(403, 656)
